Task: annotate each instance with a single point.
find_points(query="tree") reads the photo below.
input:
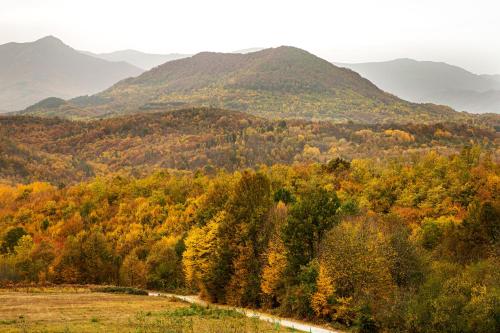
(313, 215)
(205, 265)
(322, 300)
(247, 233)
(480, 231)
(42, 256)
(357, 259)
(275, 258)
(86, 258)
(24, 263)
(97, 263)
(11, 238)
(133, 271)
(455, 298)
(164, 264)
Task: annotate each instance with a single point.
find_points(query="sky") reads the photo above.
(460, 32)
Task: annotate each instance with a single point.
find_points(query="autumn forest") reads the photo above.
(273, 181)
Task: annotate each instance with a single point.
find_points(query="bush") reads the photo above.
(119, 290)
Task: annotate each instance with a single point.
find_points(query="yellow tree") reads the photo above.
(321, 301)
(275, 260)
(202, 259)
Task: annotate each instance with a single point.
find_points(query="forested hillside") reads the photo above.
(63, 151)
(394, 245)
(283, 82)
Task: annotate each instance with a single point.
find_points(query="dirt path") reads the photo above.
(298, 325)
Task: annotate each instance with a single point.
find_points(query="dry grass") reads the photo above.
(78, 310)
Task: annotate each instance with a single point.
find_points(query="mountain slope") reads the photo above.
(283, 82)
(49, 68)
(63, 151)
(435, 82)
(139, 59)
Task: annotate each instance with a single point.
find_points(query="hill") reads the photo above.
(63, 151)
(142, 60)
(49, 68)
(283, 82)
(434, 82)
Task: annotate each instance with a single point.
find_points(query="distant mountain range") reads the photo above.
(434, 82)
(139, 59)
(47, 67)
(49, 78)
(283, 82)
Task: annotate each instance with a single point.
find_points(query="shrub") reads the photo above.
(119, 290)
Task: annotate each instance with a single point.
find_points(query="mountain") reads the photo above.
(63, 151)
(49, 68)
(434, 82)
(139, 59)
(283, 82)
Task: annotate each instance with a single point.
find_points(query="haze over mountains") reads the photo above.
(434, 82)
(283, 82)
(47, 67)
(147, 61)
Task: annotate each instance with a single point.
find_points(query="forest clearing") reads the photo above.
(68, 309)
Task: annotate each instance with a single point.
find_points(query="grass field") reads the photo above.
(79, 310)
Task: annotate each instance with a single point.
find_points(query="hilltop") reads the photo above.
(283, 82)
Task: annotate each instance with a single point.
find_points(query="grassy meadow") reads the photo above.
(80, 310)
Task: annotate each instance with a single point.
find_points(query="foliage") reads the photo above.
(404, 244)
(65, 152)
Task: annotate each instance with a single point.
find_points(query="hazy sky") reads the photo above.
(460, 32)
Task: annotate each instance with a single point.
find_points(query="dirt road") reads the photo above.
(298, 325)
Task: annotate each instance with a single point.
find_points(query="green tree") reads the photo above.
(164, 264)
(308, 220)
(11, 238)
